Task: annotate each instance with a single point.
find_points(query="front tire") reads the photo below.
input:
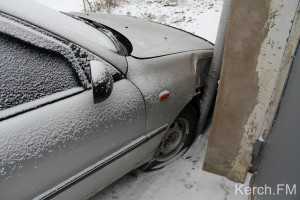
(176, 140)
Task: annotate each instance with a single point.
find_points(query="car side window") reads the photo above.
(28, 72)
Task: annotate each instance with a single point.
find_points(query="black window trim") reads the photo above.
(58, 96)
(38, 103)
(46, 100)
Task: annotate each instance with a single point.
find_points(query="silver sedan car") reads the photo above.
(85, 99)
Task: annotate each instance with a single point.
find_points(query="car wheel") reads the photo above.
(176, 140)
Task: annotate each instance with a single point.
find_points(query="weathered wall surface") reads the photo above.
(278, 159)
(257, 55)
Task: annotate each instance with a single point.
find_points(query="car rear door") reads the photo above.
(52, 134)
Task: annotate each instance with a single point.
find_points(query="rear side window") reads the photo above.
(28, 72)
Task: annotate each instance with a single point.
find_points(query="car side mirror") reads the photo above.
(102, 81)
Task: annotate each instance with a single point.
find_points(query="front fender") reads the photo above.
(177, 73)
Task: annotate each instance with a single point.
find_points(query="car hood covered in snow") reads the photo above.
(150, 39)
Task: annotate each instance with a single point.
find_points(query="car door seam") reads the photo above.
(51, 193)
(144, 100)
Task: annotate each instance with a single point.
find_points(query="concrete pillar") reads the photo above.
(258, 52)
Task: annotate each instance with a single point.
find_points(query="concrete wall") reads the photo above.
(279, 159)
(257, 55)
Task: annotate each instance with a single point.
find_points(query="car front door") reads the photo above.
(52, 134)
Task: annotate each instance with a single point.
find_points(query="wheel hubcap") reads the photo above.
(174, 139)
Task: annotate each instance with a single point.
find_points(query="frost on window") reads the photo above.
(28, 72)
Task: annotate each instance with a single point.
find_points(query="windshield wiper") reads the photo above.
(121, 49)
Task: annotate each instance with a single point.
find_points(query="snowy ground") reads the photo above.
(200, 17)
(182, 180)
(63, 5)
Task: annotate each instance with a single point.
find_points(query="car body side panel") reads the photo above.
(102, 178)
(177, 73)
(44, 147)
